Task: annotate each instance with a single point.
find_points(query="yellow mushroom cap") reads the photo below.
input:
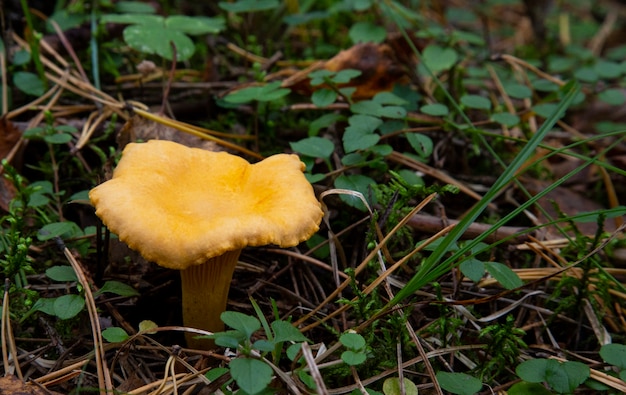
(180, 206)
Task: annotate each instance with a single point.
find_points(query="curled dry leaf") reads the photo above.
(377, 63)
(141, 129)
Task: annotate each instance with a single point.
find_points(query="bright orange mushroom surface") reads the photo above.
(194, 210)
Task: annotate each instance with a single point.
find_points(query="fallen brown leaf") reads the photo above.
(139, 128)
(11, 385)
(377, 63)
(9, 136)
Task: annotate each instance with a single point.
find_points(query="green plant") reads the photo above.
(32, 84)
(264, 93)
(475, 269)
(49, 195)
(164, 36)
(329, 83)
(369, 121)
(35, 216)
(14, 243)
(248, 5)
(593, 285)
(250, 370)
(459, 383)
(356, 352)
(615, 354)
(374, 347)
(432, 268)
(504, 344)
(61, 134)
(396, 197)
(391, 386)
(70, 305)
(448, 324)
(561, 377)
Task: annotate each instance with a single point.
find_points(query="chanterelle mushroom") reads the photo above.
(195, 210)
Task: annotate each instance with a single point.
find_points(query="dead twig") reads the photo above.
(7, 336)
(424, 168)
(104, 378)
(508, 234)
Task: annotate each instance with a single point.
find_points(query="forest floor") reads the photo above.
(469, 158)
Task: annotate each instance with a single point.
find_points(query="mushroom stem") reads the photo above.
(205, 294)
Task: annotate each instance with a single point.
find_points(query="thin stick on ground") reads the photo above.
(104, 378)
(7, 335)
(4, 85)
(62, 374)
(361, 266)
(314, 370)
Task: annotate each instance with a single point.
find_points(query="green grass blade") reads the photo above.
(95, 65)
(532, 200)
(425, 272)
